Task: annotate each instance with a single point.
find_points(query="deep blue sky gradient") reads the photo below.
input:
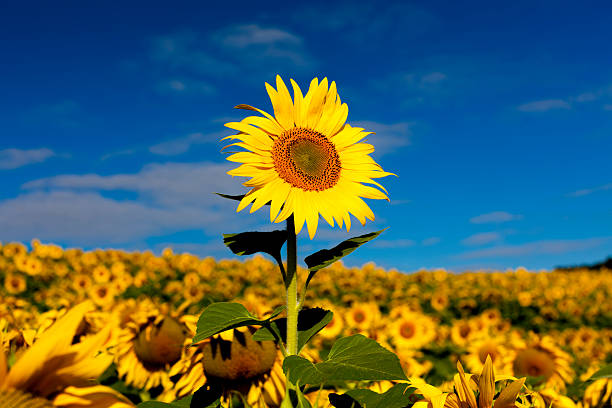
(498, 122)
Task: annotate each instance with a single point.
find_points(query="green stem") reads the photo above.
(292, 295)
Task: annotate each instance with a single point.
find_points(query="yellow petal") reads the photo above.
(278, 198)
(299, 213)
(289, 206)
(265, 124)
(464, 391)
(35, 369)
(315, 106)
(258, 136)
(299, 116)
(486, 385)
(507, 396)
(312, 213)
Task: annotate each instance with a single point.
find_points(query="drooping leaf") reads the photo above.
(351, 358)
(248, 243)
(604, 372)
(223, 316)
(231, 197)
(310, 322)
(326, 257)
(343, 401)
(397, 396)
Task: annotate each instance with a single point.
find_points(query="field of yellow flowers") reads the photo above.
(126, 320)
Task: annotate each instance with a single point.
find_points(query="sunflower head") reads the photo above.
(158, 345)
(305, 160)
(236, 356)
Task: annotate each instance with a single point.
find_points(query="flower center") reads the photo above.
(534, 363)
(306, 159)
(240, 359)
(20, 399)
(161, 344)
(359, 316)
(407, 330)
(487, 349)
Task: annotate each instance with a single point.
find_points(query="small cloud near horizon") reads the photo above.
(544, 247)
(495, 217)
(482, 238)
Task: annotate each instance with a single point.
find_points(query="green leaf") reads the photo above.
(604, 372)
(310, 322)
(182, 403)
(397, 396)
(351, 358)
(223, 316)
(248, 243)
(326, 257)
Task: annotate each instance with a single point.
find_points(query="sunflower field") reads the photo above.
(109, 328)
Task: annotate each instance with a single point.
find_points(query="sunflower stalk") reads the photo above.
(292, 295)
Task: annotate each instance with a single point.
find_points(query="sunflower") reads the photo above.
(245, 367)
(14, 283)
(305, 159)
(362, 317)
(56, 371)
(479, 350)
(465, 385)
(152, 343)
(598, 393)
(539, 357)
(412, 330)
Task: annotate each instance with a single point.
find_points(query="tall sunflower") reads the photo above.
(305, 160)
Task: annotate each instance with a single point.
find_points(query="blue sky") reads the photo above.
(498, 123)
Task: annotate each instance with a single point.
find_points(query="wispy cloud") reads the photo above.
(482, 238)
(14, 158)
(495, 217)
(238, 51)
(544, 105)
(587, 191)
(183, 144)
(393, 243)
(545, 247)
(431, 241)
(243, 36)
(183, 86)
(389, 137)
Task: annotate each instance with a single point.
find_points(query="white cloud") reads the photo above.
(495, 217)
(14, 158)
(165, 198)
(431, 241)
(544, 105)
(587, 191)
(482, 238)
(389, 137)
(537, 247)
